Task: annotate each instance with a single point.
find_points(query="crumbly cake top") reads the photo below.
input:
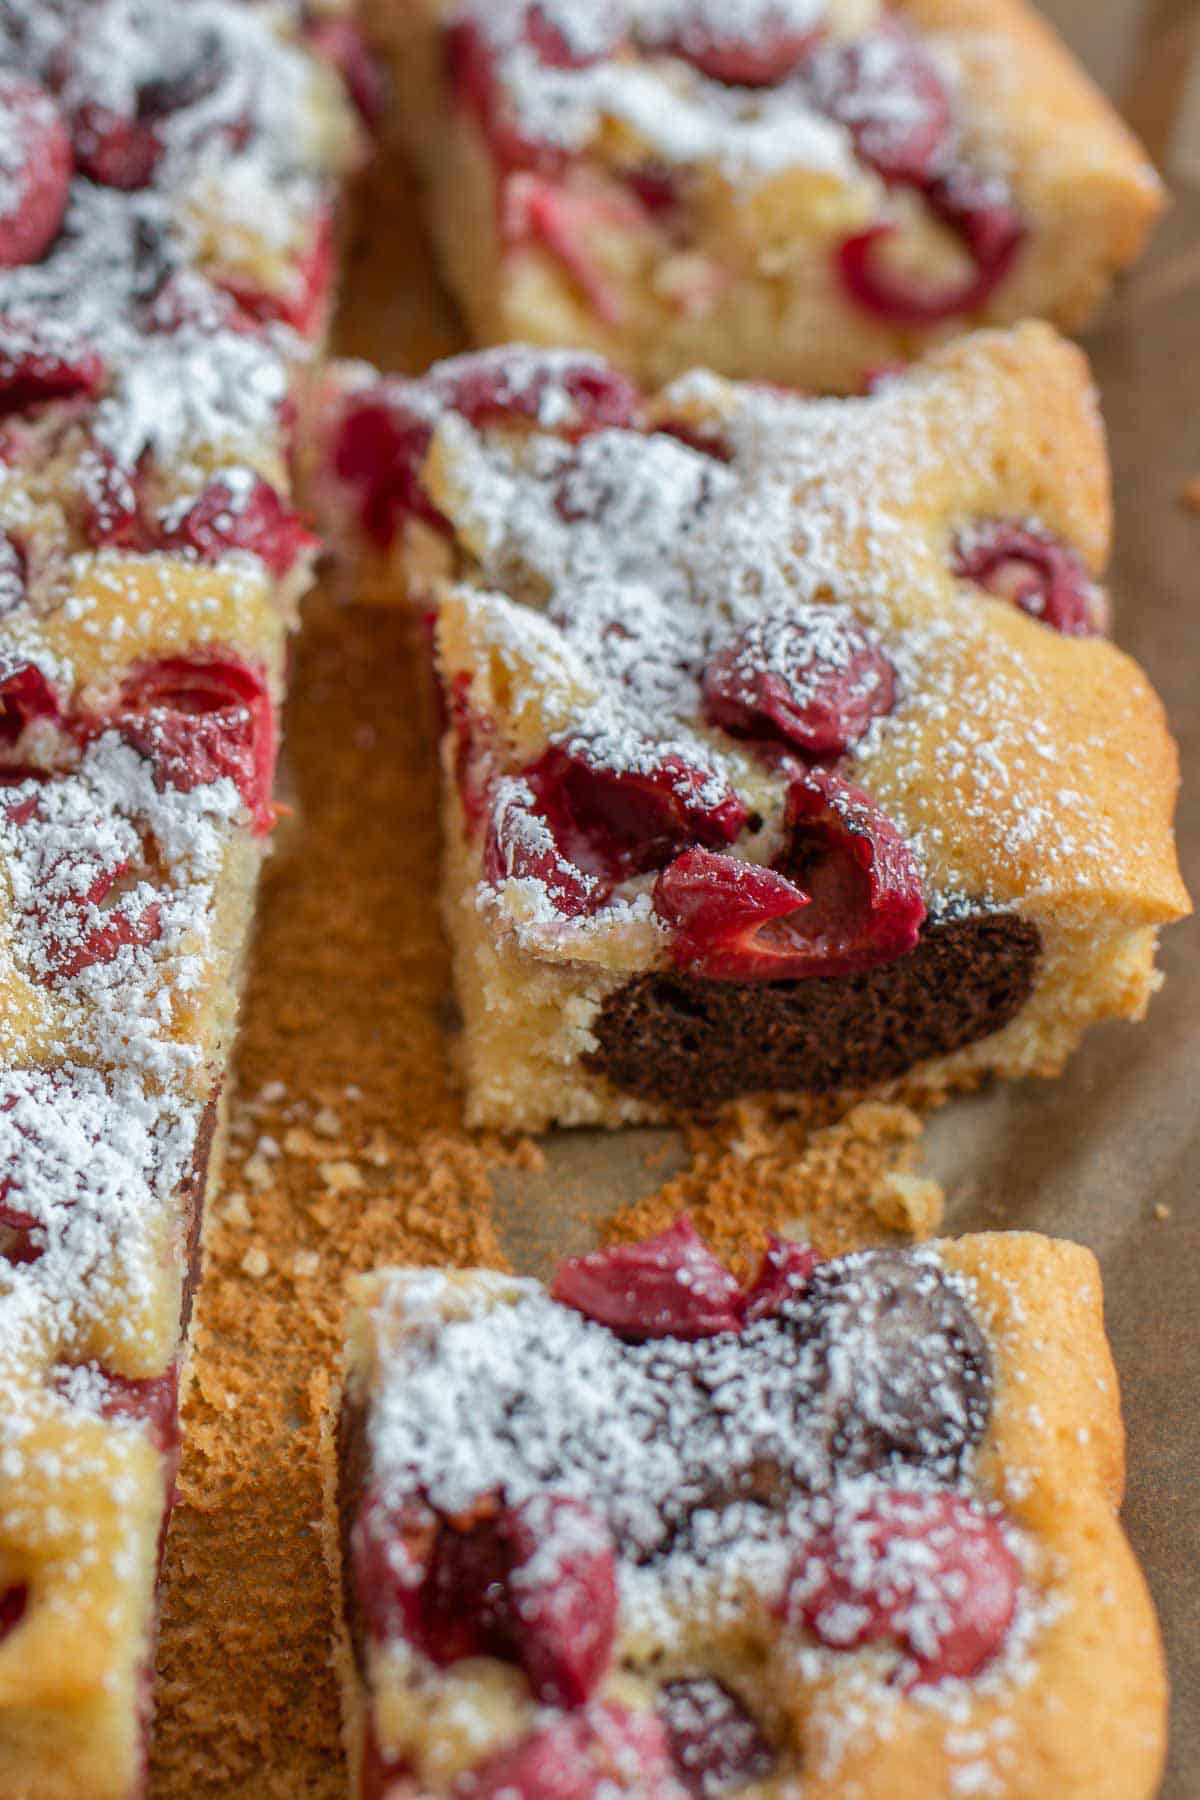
(614, 557)
(683, 77)
(705, 1459)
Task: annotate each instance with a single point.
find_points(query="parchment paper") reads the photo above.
(1109, 1154)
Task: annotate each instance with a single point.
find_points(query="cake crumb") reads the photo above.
(326, 1123)
(340, 1175)
(256, 1263)
(305, 1264)
(257, 1171)
(236, 1212)
(809, 1166)
(299, 1141)
(909, 1203)
(379, 1151)
(1161, 1211)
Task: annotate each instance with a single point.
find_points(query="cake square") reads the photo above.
(789, 190)
(847, 1529)
(782, 745)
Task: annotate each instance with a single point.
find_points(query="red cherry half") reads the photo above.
(715, 1742)
(242, 513)
(40, 362)
(813, 676)
(533, 1585)
(25, 695)
(760, 59)
(580, 827)
(599, 1754)
(845, 896)
(930, 1572)
(667, 1286)
(1033, 569)
(782, 1276)
(37, 168)
(990, 229)
(200, 718)
(303, 302)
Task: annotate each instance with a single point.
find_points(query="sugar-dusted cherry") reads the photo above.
(120, 139)
(579, 827)
(569, 392)
(760, 53)
(25, 696)
(384, 431)
(80, 933)
(905, 1372)
(532, 1584)
(474, 78)
(670, 1285)
(562, 1596)
(812, 675)
(1034, 569)
(114, 149)
(887, 91)
(600, 1754)
(37, 167)
(930, 1572)
(150, 1400)
(715, 1741)
(303, 301)
(782, 1277)
(526, 840)
(201, 718)
(239, 510)
(43, 360)
(111, 502)
(589, 41)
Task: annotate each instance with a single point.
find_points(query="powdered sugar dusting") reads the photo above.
(681, 114)
(93, 1161)
(101, 844)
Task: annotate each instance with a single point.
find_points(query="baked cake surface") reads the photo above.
(789, 190)
(849, 1530)
(783, 746)
(167, 210)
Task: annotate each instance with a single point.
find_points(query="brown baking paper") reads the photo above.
(347, 1145)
